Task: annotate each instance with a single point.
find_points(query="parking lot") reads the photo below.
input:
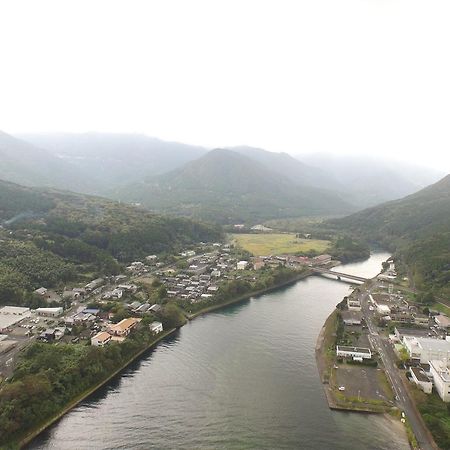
(363, 382)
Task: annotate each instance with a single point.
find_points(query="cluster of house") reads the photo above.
(393, 307)
(429, 351)
(291, 261)
(201, 279)
(119, 331)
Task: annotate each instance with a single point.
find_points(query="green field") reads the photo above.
(276, 244)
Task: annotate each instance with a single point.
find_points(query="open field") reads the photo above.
(275, 244)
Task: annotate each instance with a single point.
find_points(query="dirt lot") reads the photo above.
(364, 382)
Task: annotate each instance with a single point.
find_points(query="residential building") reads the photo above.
(241, 265)
(124, 327)
(356, 353)
(441, 377)
(353, 304)
(420, 378)
(442, 321)
(100, 339)
(322, 260)
(156, 327)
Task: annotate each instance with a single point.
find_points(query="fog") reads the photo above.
(360, 77)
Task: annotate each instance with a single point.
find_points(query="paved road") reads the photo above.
(402, 396)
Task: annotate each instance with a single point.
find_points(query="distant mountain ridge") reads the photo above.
(228, 187)
(26, 164)
(369, 181)
(116, 159)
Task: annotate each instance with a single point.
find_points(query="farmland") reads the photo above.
(276, 244)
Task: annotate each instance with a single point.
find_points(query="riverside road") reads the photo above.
(403, 399)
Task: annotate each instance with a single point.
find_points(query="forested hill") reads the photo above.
(417, 227)
(226, 187)
(49, 237)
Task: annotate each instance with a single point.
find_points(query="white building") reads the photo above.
(420, 378)
(427, 349)
(353, 304)
(12, 315)
(100, 339)
(383, 309)
(241, 265)
(441, 377)
(156, 327)
(357, 353)
(49, 312)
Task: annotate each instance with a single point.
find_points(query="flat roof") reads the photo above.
(441, 369)
(8, 320)
(439, 345)
(420, 374)
(353, 349)
(417, 332)
(14, 310)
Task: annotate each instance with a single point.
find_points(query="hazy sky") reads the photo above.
(348, 76)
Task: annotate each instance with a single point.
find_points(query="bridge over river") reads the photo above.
(338, 275)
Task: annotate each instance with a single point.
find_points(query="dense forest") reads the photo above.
(50, 237)
(417, 229)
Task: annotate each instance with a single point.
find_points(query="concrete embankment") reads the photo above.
(34, 433)
(248, 295)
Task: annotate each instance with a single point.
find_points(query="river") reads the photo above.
(244, 377)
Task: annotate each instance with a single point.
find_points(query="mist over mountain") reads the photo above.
(24, 163)
(116, 159)
(159, 174)
(228, 187)
(369, 181)
(291, 168)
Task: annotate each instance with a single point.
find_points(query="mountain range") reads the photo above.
(235, 184)
(227, 187)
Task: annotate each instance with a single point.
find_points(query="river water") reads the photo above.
(244, 377)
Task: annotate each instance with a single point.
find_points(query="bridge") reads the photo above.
(338, 275)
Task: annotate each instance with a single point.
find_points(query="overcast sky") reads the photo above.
(347, 76)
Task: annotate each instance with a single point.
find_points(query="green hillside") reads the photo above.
(49, 237)
(417, 227)
(226, 187)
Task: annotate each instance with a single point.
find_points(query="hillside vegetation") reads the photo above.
(49, 237)
(226, 187)
(417, 227)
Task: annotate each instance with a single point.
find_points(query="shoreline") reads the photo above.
(248, 295)
(36, 432)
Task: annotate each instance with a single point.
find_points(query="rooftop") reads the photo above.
(441, 368)
(344, 348)
(419, 374)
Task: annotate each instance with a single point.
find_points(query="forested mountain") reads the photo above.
(417, 227)
(116, 159)
(294, 170)
(49, 237)
(370, 181)
(224, 186)
(21, 162)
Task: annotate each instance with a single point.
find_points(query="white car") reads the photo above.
(341, 388)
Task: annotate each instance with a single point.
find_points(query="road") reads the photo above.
(403, 399)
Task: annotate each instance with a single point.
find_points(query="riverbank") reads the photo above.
(329, 370)
(248, 295)
(34, 433)
(38, 430)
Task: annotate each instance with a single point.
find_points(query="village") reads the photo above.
(107, 309)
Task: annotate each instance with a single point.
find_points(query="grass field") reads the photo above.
(276, 244)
